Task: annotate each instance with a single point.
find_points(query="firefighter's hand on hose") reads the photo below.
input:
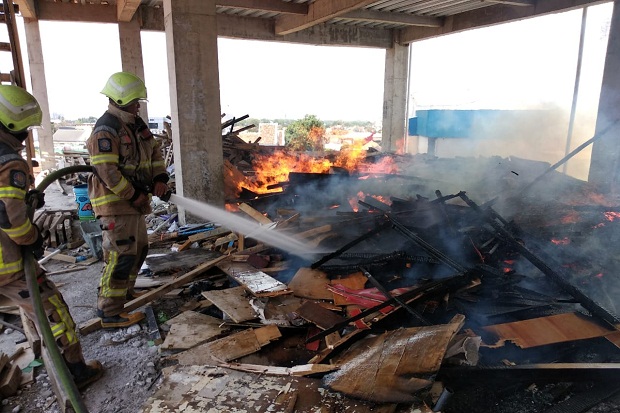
(160, 189)
(142, 203)
(37, 195)
(37, 247)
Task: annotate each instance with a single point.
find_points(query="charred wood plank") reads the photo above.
(539, 259)
(389, 296)
(434, 252)
(436, 286)
(231, 122)
(350, 245)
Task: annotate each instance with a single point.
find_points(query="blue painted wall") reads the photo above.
(440, 123)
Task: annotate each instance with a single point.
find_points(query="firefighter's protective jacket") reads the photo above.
(16, 229)
(126, 160)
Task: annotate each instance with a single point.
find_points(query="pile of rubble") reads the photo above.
(403, 301)
(413, 294)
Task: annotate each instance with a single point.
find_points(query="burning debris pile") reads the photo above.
(413, 293)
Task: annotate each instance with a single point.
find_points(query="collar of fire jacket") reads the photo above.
(11, 140)
(125, 117)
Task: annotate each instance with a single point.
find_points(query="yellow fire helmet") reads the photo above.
(19, 110)
(124, 88)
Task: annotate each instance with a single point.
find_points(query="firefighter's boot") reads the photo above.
(85, 373)
(120, 320)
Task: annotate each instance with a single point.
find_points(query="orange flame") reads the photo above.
(563, 241)
(570, 218)
(611, 216)
(275, 168)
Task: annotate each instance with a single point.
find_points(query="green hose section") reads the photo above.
(58, 363)
(49, 179)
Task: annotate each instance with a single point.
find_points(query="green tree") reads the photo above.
(307, 134)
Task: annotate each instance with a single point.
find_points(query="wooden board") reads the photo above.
(233, 302)
(256, 215)
(548, 330)
(309, 283)
(95, 323)
(34, 340)
(180, 261)
(23, 360)
(10, 379)
(230, 347)
(321, 317)
(256, 282)
(217, 389)
(190, 329)
(402, 362)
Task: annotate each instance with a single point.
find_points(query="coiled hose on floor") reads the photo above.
(58, 363)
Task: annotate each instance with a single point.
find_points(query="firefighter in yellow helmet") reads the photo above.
(19, 111)
(127, 168)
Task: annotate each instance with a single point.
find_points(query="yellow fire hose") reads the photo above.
(58, 363)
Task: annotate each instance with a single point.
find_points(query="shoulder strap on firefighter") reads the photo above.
(108, 123)
(8, 154)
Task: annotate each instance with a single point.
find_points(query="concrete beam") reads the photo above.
(276, 6)
(395, 84)
(490, 16)
(74, 12)
(393, 18)
(191, 42)
(125, 9)
(249, 28)
(604, 171)
(131, 54)
(27, 8)
(318, 12)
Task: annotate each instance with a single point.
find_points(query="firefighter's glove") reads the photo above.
(35, 195)
(142, 203)
(160, 189)
(37, 247)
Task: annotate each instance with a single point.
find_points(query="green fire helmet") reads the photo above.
(123, 88)
(19, 110)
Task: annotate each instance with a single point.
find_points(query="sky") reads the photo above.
(527, 64)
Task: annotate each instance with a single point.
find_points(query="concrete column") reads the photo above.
(39, 90)
(131, 54)
(395, 96)
(605, 160)
(191, 41)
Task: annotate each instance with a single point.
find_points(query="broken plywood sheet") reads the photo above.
(392, 366)
(180, 261)
(217, 389)
(309, 283)
(255, 281)
(229, 348)
(548, 330)
(190, 329)
(280, 310)
(233, 302)
(321, 317)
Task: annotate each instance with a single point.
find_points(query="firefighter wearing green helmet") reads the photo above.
(128, 167)
(19, 111)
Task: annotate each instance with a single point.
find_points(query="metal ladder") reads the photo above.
(15, 76)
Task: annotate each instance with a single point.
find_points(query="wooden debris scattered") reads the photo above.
(233, 302)
(190, 329)
(230, 347)
(256, 282)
